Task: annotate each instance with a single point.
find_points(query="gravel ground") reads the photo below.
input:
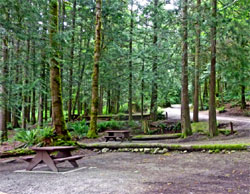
(136, 173)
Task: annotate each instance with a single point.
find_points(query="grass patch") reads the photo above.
(200, 127)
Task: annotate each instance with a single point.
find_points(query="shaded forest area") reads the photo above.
(79, 58)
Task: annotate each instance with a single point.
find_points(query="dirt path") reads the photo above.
(134, 173)
(175, 111)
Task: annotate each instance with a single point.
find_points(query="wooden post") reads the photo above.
(232, 127)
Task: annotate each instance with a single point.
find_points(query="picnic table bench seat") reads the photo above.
(70, 158)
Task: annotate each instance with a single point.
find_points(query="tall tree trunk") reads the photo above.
(33, 111)
(17, 109)
(72, 61)
(154, 95)
(92, 133)
(185, 116)
(108, 104)
(25, 83)
(197, 66)
(55, 78)
(243, 97)
(212, 104)
(130, 92)
(3, 90)
(82, 67)
(142, 90)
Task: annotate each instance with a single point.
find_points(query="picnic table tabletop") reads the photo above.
(53, 148)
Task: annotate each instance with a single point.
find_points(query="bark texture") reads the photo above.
(130, 94)
(197, 67)
(92, 133)
(55, 78)
(212, 103)
(3, 92)
(154, 95)
(185, 116)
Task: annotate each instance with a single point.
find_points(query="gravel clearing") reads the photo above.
(136, 173)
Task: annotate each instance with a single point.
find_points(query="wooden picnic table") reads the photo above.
(43, 155)
(121, 134)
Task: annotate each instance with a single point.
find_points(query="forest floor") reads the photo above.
(126, 172)
(136, 173)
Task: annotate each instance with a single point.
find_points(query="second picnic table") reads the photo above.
(43, 155)
(118, 134)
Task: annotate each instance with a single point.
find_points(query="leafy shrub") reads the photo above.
(102, 126)
(79, 129)
(28, 137)
(34, 136)
(221, 109)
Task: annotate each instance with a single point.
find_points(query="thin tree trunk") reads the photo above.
(3, 90)
(130, 92)
(100, 100)
(243, 97)
(92, 133)
(25, 83)
(55, 77)
(33, 111)
(212, 104)
(72, 61)
(185, 116)
(82, 67)
(17, 109)
(197, 67)
(154, 95)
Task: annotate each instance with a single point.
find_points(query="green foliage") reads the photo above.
(225, 131)
(65, 143)
(200, 127)
(221, 109)
(28, 137)
(102, 126)
(35, 136)
(78, 129)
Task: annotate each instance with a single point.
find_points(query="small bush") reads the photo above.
(200, 127)
(102, 126)
(28, 137)
(78, 129)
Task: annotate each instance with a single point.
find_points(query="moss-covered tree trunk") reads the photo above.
(3, 91)
(212, 104)
(197, 66)
(92, 133)
(72, 56)
(185, 116)
(55, 77)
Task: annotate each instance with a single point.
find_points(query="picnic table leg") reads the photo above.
(67, 153)
(35, 161)
(73, 163)
(50, 163)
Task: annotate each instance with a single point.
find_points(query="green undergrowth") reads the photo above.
(203, 128)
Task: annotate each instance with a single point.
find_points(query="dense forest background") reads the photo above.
(141, 61)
